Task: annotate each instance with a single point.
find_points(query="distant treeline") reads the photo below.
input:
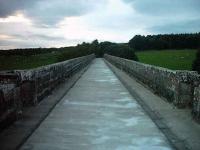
(124, 50)
(64, 53)
(120, 50)
(27, 51)
(165, 41)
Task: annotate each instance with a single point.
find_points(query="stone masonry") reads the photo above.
(182, 88)
(19, 88)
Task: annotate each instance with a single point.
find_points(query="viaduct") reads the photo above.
(108, 103)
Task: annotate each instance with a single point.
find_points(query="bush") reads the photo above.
(99, 49)
(121, 50)
(196, 63)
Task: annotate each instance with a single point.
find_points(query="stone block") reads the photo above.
(175, 85)
(27, 87)
(196, 104)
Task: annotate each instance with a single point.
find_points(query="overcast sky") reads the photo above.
(55, 23)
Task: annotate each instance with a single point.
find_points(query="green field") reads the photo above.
(27, 62)
(172, 59)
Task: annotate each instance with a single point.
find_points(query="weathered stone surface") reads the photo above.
(28, 87)
(175, 85)
(196, 103)
(8, 98)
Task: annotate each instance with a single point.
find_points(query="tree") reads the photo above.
(121, 50)
(196, 63)
(64, 53)
(165, 41)
(137, 42)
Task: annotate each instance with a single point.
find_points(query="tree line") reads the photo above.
(98, 48)
(27, 51)
(165, 41)
(124, 50)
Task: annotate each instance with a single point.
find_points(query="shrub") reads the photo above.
(196, 63)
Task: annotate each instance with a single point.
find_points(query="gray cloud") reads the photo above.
(165, 7)
(35, 41)
(9, 7)
(114, 20)
(168, 16)
(37, 36)
(7, 44)
(179, 27)
(48, 12)
(51, 11)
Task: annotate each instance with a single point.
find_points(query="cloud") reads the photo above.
(116, 22)
(9, 7)
(37, 36)
(16, 43)
(46, 23)
(31, 41)
(167, 7)
(48, 12)
(169, 16)
(178, 27)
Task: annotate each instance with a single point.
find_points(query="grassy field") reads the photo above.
(27, 62)
(172, 59)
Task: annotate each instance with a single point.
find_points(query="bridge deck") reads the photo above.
(98, 113)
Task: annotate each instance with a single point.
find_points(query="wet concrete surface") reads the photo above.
(98, 113)
(177, 124)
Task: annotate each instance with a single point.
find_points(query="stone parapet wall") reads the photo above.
(179, 87)
(9, 98)
(19, 88)
(41, 81)
(196, 103)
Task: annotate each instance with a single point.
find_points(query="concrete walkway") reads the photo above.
(98, 113)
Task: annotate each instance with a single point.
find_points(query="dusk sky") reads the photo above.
(56, 23)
